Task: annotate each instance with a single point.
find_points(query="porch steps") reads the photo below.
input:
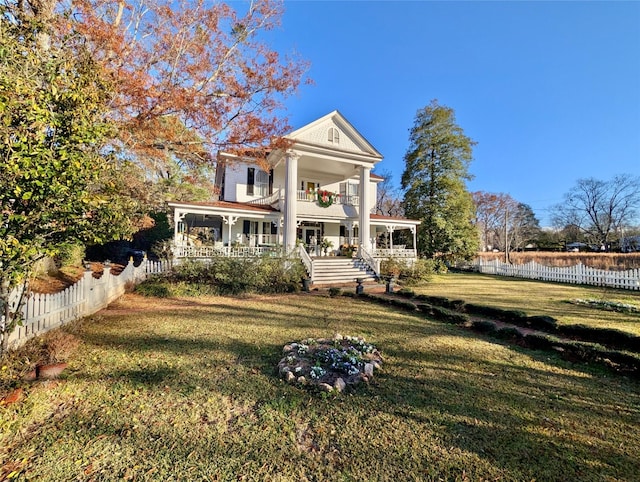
(340, 270)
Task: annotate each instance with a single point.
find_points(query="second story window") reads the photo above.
(333, 135)
(259, 182)
(251, 179)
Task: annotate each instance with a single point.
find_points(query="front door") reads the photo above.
(312, 240)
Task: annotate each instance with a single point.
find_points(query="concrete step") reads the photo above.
(338, 270)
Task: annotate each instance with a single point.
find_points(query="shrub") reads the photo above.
(605, 336)
(405, 305)
(408, 273)
(406, 292)
(509, 333)
(421, 271)
(456, 305)
(622, 361)
(154, 287)
(484, 326)
(425, 308)
(233, 276)
(449, 316)
(334, 291)
(542, 323)
(70, 254)
(509, 316)
(538, 341)
(434, 300)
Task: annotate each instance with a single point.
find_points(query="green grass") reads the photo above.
(538, 298)
(185, 389)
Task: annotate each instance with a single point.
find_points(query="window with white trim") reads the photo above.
(261, 183)
(333, 135)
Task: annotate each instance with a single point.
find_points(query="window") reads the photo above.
(249, 227)
(251, 177)
(349, 188)
(333, 135)
(261, 183)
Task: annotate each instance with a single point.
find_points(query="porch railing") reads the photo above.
(394, 253)
(351, 241)
(229, 251)
(368, 259)
(262, 239)
(306, 260)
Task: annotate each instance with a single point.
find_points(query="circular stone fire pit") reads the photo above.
(329, 363)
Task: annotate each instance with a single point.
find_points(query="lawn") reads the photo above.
(185, 389)
(538, 298)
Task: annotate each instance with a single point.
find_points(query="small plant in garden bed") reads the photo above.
(607, 305)
(329, 363)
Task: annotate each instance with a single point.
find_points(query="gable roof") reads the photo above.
(351, 140)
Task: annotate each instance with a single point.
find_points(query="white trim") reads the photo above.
(344, 125)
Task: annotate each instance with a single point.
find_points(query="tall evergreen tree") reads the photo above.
(437, 163)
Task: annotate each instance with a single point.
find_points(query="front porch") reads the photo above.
(203, 252)
(206, 230)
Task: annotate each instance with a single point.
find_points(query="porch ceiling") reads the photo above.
(399, 223)
(324, 168)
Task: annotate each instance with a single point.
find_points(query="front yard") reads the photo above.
(539, 298)
(186, 389)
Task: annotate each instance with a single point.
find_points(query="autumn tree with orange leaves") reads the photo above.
(191, 77)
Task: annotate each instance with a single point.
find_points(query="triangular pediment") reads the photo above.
(335, 132)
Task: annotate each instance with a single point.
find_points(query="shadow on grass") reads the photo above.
(527, 427)
(515, 416)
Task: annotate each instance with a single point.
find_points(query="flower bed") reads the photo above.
(607, 305)
(329, 364)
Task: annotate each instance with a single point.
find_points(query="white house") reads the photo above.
(319, 189)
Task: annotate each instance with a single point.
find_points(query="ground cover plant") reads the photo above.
(538, 298)
(186, 389)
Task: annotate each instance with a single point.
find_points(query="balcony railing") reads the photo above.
(348, 200)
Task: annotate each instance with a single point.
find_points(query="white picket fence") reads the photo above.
(43, 312)
(577, 274)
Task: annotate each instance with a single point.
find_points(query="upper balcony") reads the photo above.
(311, 196)
(316, 203)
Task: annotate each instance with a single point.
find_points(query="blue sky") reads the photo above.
(550, 91)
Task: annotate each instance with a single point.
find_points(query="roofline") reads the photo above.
(349, 127)
(224, 206)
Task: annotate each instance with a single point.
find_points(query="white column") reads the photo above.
(278, 223)
(178, 216)
(415, 241)
(290, 201)
(229, 221)
(390, 230)
(365, 221)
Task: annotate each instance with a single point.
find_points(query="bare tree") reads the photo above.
(492, 211)
(388, 201)
(600, 209)
(503, 222)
